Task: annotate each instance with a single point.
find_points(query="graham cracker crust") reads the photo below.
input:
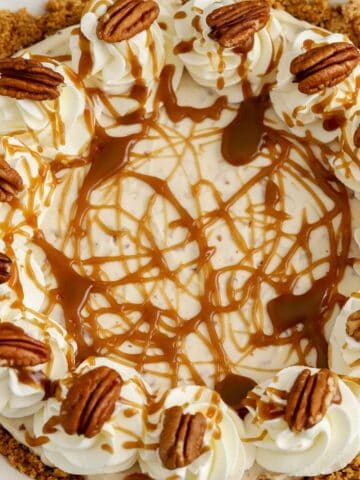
(27, 462)
(20, 29)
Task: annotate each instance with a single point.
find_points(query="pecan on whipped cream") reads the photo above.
(344, 347)
(213, 438)
(96, 422)
(225, 66)
(346, 159)
(316, 85)
(302, 422)
(50, 113)
(34, 351)
(132, 60)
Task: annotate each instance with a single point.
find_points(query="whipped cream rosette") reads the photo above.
(26, 283)
(303, 422)
(32, 185)
(95, 425)
(217, 62)
(211, 434)
(50, 112)
(123, 69)
(316, 84)
(34, 351)
(346, 162)
(344, 348)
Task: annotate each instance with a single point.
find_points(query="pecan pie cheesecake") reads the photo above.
(180, 231)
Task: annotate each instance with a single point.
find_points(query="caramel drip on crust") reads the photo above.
(157, 331)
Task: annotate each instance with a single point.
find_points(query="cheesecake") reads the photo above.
(180, 232)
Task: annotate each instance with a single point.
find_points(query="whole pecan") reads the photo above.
(353, 325)
(357, 137)
(90, 402)
(127, 18)
(10, 182)
(324, 66)
(5, 268)
(235, 25)
(310, 398)
(17, 349)
(28, 79)
(182, 438)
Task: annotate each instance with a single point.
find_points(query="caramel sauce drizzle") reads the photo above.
(114, 159)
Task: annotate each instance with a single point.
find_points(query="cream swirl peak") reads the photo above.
(34, 351)
(124, 73)
(344, 347)
(37, 179)
(318, 113)
(303, 427)
(223, 68)
(220, 451)
(113, 445)
(53, 127)
(345, 162)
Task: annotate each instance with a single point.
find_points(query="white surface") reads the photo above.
(34, 6)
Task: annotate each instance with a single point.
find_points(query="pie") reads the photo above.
(180, 241)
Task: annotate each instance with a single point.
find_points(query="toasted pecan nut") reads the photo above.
(182, 438)
(235, 25)
(127, 18)
(90, 402)
(5, 268)
(10, 182)
(357, 137)
(17, 349)
(353, 325)
(28, 79)
(324, 66)
(310, 398)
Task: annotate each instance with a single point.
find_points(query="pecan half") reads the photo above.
(5, 268)
(28, 79)
(235, 25)
(309, 399)
(17, 349)
(90, 402)
(10, 182)
(353, 325)
(126, 18)
(357, 137)
(182, 438)
(324, 66)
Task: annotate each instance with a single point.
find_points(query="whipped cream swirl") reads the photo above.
(115, 448)
(115, 68)
(220, 68)
(37, 185)
(346, 162)
(30, 286)
(325, 448)
(344, 350)
(226, 456)
(59, 127)
(304, 114)
(21, 391)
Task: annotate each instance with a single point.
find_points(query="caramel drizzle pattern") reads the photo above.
(113, 160)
